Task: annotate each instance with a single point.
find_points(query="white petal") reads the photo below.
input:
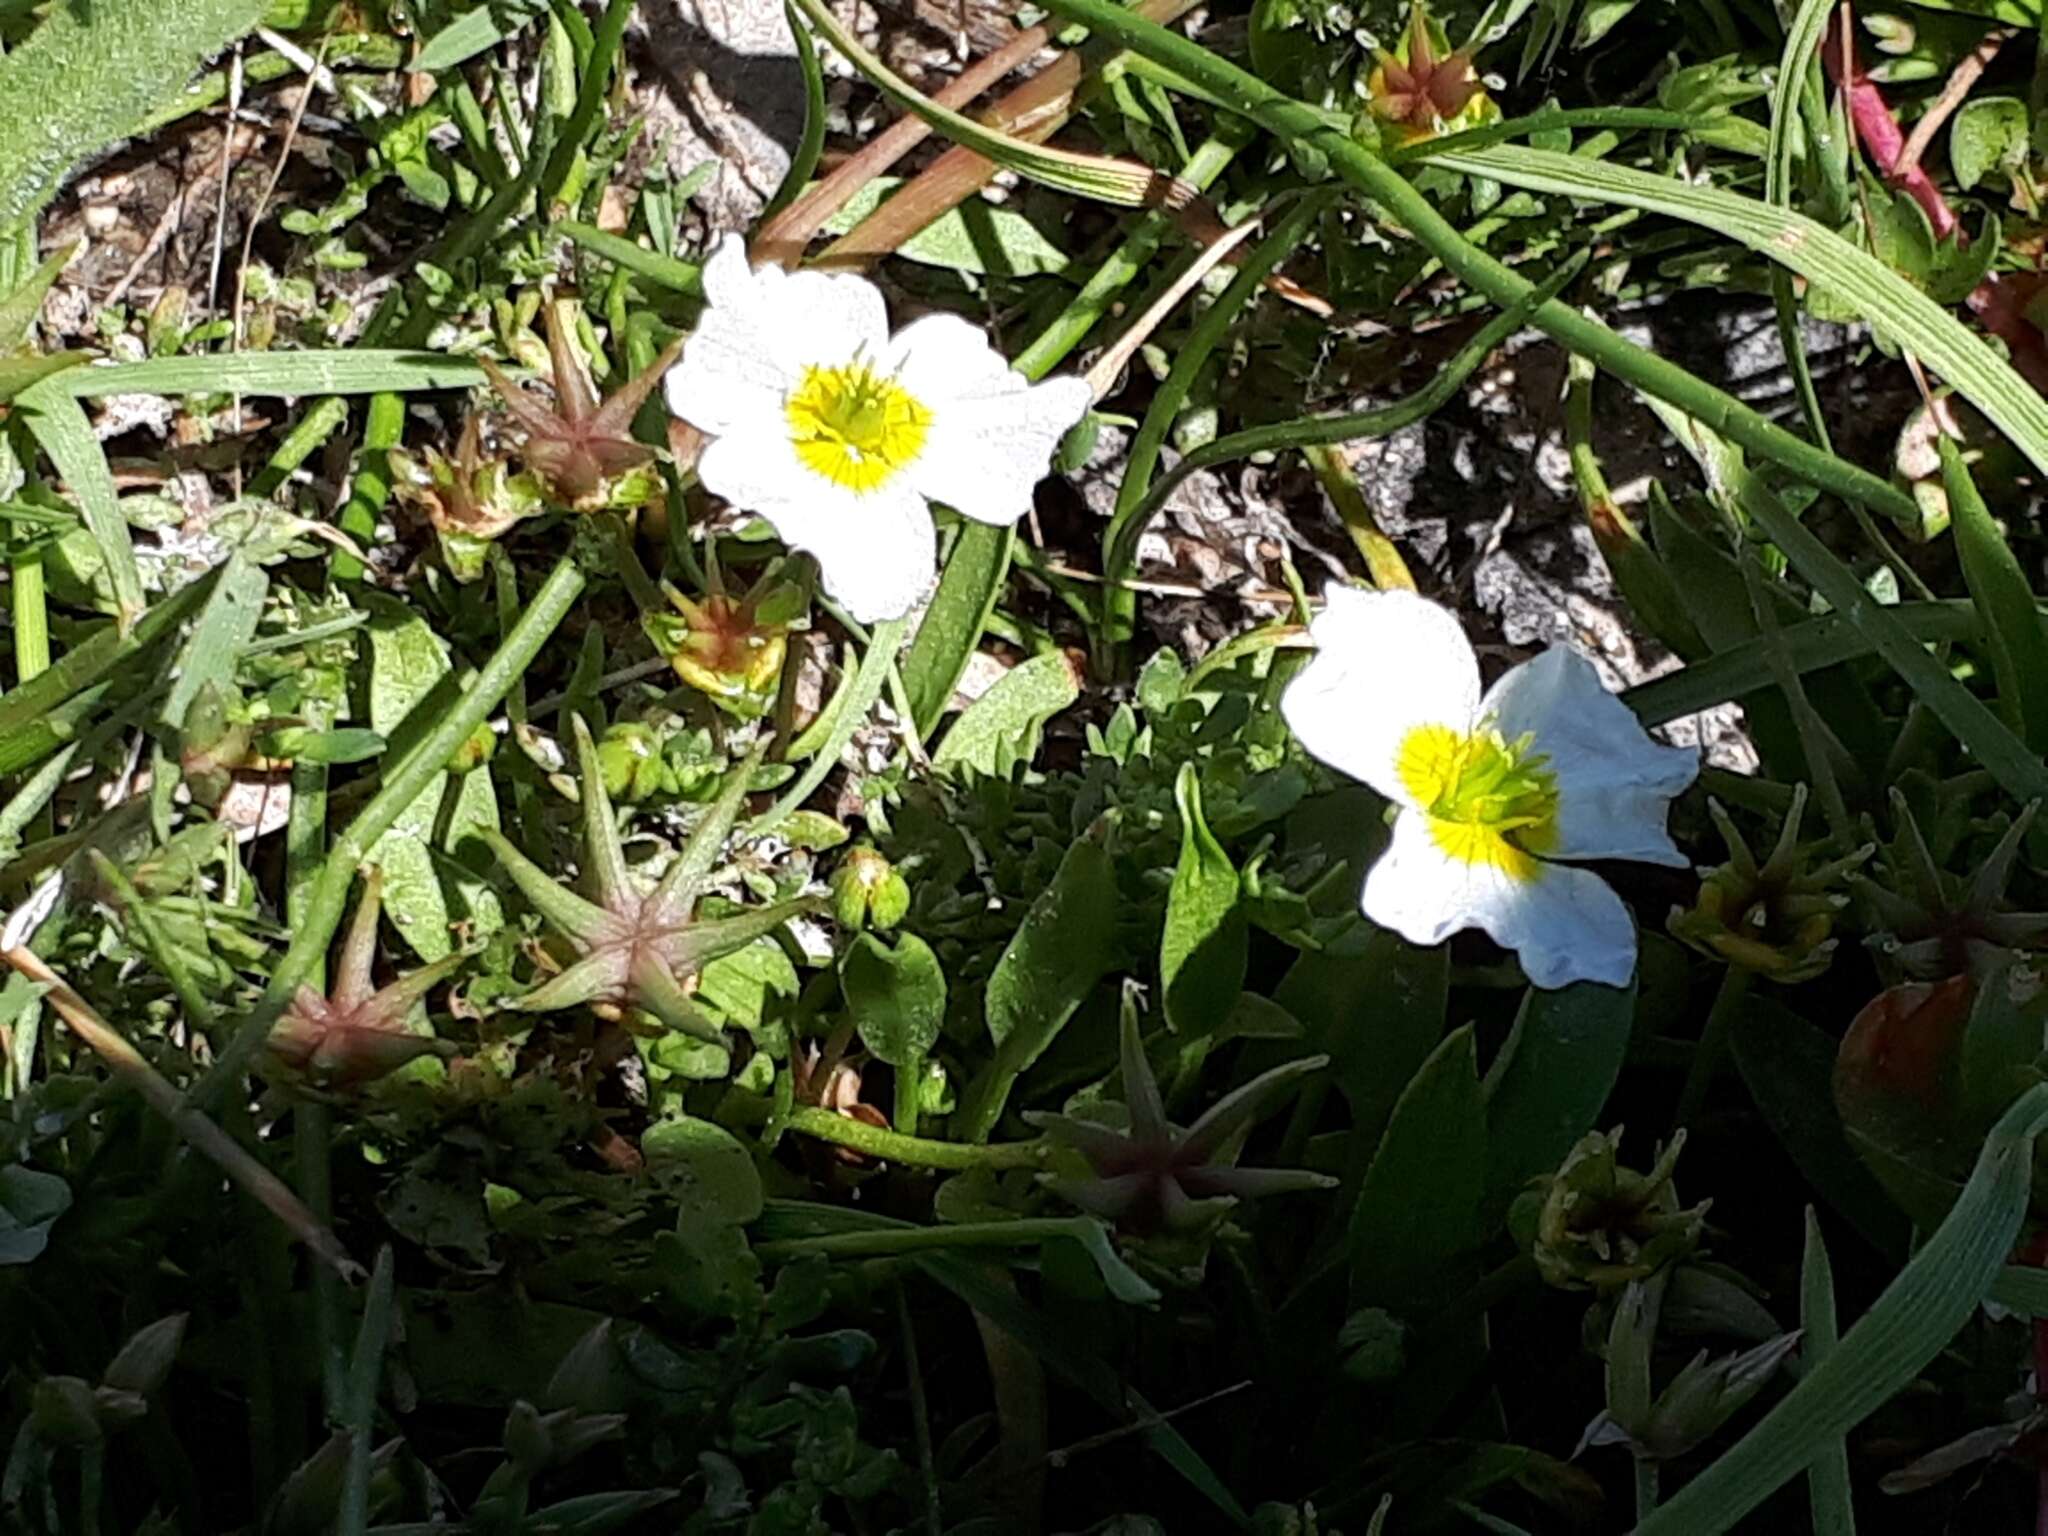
(761, 328)
(876, 552)
(1614, 782)
(1385, 663)
(1565, 924)
(993, 432)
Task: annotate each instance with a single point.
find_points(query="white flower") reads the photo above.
(1491, 793)
(839, 433)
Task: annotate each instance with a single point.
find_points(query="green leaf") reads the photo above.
(1419, 1212)
(67, 437)
(988, 239)
(1064, 946)
(803, 161)
(2012, 620)
(1546, 1087)
(1789, 1067)
(19, 309)
(1827, 1480)
(30, 1203)
(2018, 771)
(1919, 1312)
(953, 621)
(407, 661)
(474, 32)
(31, 368)
(89, 73)
(1000, 730)
(366, 371)
(1203, 947)
(226, 626)
(706, 1169)
(1988, 134)
(897, 996)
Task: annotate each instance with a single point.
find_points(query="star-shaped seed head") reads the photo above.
(469, 500)
(1154, 1177)
(730, 649)
(638, 948)
(1935, 924)
(584, 451)
(1418, 92)
(1776, 918)
(1599, 1224)
(357, 1032)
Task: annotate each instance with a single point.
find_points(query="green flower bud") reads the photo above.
(1597, 1224)
(475, 752)
(866, 888)
(66, 1411)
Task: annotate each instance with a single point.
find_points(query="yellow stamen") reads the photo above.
(854, 426)
(1488, 800)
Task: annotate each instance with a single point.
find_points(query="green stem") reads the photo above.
(135, 911)
(312, 1121)
(401, 786)
(1120, 538)
(893, 1241)
(31, 615)
(1646, 1487)
(663, 271)
(1296, 122)
(857, 700)
(1706, 1059)
(314, 428)
(913, 1151)
(359, 1405)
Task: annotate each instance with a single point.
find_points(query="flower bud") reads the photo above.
(1600, 1225)
(729, 649)
(478, 749)
(630, 761)
(866, 888)
(66, 1411)
(1776, 918)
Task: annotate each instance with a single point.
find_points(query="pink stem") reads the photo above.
(1879, 130)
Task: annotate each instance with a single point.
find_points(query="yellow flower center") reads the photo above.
(854, 426)
(1489, 800)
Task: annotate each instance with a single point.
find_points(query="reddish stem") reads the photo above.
(1882, 138)
(2000, 301)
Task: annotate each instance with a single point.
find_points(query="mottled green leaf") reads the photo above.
(897, 996)
(1064, 946)
(710, 1174)
(1000, 730)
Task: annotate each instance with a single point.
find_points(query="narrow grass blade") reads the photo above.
(1827, 1480)
(2003, 754)
(359, 1396)
(953, 621)
(366, 371)
(804, 161)
(1910, 1323)
(2012, 619)
(1908, 316)
(1817, 643)
(60, 426)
